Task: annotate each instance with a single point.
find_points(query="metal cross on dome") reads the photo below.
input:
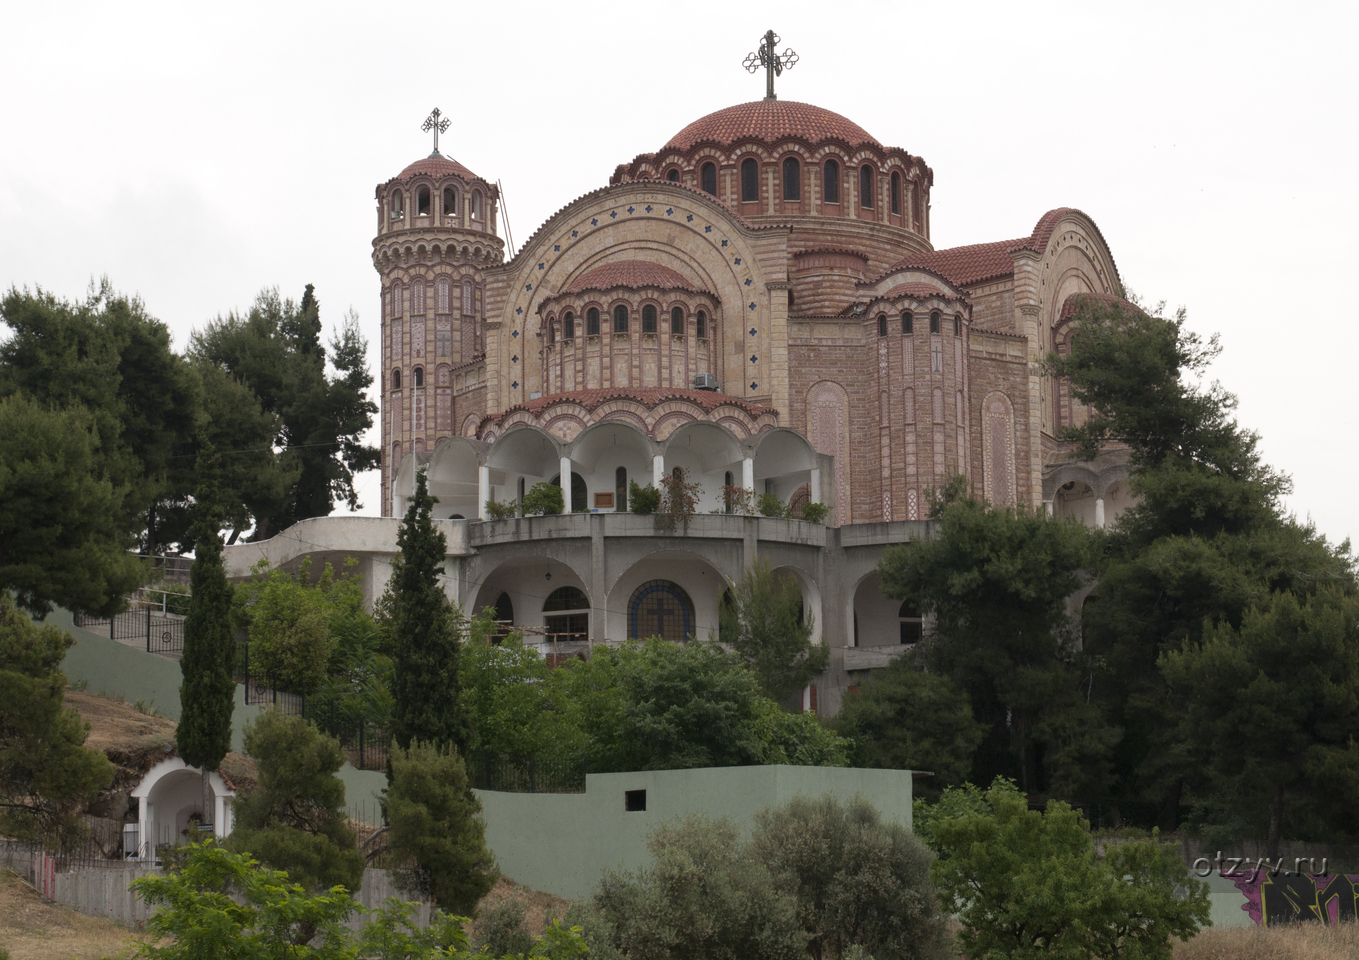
(774, 63)
(437, 122)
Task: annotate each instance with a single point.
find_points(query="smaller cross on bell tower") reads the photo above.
(774, 63)
(437, 122)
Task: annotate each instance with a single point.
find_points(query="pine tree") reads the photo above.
(425, 632)
(208, 693)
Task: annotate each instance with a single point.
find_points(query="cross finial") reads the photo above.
(437, 122)
(774, 63)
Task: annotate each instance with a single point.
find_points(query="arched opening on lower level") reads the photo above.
(661, 608)
(875, 619)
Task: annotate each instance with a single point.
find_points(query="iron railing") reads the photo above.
(162, 633)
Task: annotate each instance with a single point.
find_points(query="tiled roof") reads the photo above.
(967, 265)
(1077, 300)
(920, 291)
(986, 261)
(770, 121)
(650, 398)
(436, 166)
(634, 274)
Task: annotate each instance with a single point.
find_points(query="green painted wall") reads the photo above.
(113, 669)
(563, 843)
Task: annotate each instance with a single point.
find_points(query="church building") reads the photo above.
(756, 303)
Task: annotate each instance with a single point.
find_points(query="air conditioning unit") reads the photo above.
(706, 381)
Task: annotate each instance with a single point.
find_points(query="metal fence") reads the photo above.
(162, 633)
(528, 774)
(264, 691)
(365, 743)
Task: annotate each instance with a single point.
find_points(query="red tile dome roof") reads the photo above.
(770, 121)
(634, 274)
(436, 165)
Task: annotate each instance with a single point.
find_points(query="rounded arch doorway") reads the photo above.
(659, 608)
(566, 614)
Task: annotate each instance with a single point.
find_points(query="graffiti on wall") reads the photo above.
(1296, 897)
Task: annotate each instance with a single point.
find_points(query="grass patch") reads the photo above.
(1295, 941)
(31, 929)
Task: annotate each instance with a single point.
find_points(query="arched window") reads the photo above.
(677, 473)
(418, 377)
(673, 175)
(677, 320)
(396, 379)
(620, 319)
(896, 192)
(750, 180)
(568, 326)
(422, 202)
(468, 298)
(592, 322)
(450, 202)
(504, 615)
(907, 323)
(934, 322)
(866, 186)
(551, 333)
(912, 623)
(572, 616)
(708, 178)
(620, 490)
(728, 481)
(701, 325)
(957, 326)
(792, 179)
(659, 608)
(832, 185)
(476, 205)
(398, 205)
(648, 319)
(882, 324)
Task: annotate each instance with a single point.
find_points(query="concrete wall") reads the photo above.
(563, 843)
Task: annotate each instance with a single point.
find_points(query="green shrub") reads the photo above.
(770, 505)
(495, 510)
(643, 500)
(858, 881)
(500, 930)
(814, 512)
(544, 499)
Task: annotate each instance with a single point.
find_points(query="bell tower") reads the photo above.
(436, 236)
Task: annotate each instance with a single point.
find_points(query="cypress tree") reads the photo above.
(208, 693)
(425, 632)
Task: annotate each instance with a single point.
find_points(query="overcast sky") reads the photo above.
(196, 153)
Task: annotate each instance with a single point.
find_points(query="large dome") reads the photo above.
(770, 121)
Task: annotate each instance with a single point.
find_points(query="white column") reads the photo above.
(657, 470)
(566, 484)
(1099, 512)
(748, 474)
(483, 489)
(814, 487)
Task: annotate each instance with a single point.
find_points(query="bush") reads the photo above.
(770, 505)
(1028, 885)
(858, 881)
(500, 930)
(814, 512)
(290, 621)
(544, 499)
(436, 822)
(294, 819)
(643, 500)
(703, 896)
(495, 510)
(737, 500)
(679, 497)
(907, 719)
